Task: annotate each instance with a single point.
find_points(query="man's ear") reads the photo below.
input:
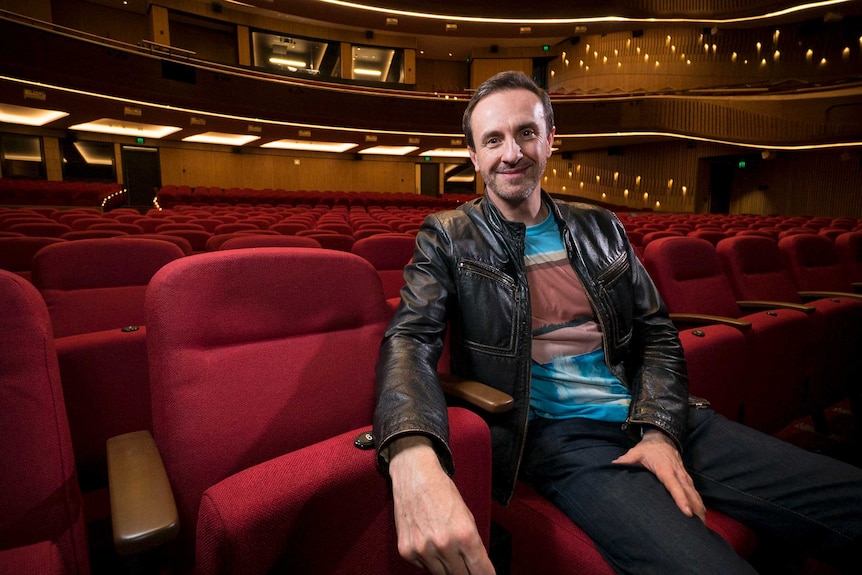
(551, 141)
(472, 153)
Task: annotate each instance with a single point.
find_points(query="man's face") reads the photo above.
(511, 142)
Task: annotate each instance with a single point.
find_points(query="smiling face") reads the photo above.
(511, 146)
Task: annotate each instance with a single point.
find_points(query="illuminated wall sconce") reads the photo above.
(638, 181)
(646, 196)
(598, 180)
(626, 193)
(733, 57)
(555, 172)
(684, 190)
(776, 56)
(616, 177)
(581, 185)
(809, 55)
(670, 184)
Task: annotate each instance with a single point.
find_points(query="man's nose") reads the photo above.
(511, 151)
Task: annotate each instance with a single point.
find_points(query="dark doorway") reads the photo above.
(722, 174)
(142, 174)
(720, 187)
(429, 179)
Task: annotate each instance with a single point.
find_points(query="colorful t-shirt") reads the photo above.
(570, 376)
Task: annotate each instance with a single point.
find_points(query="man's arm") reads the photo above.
(435, 528)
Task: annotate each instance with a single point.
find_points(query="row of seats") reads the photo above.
(171, 195)
(25, 192)
(797, 323)
(257, 359)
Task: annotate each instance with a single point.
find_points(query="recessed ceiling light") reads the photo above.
(309, 146)
(447, 153)
(125, 128)
(28, 116)
(221, 138)
(389, 150)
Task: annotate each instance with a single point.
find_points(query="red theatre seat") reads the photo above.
(388, 253)
(94, 290)
(262, 365)
(689, 278)
(757, 272)
(42, 523)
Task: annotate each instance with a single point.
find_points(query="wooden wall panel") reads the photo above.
(804, 183)
(252, 170)
(481, 69)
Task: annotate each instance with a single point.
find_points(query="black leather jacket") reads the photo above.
(468, 270)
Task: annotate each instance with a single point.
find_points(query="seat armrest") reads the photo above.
(143, 510)
(704, 319)
(759, 305)
(812, 295)
(477, 394)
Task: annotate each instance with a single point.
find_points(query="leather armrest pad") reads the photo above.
(758, 305)
(703, 319)
(810, 295)
(143, 511)
(477, 394)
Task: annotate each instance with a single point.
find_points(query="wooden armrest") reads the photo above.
(758, 305)
(703, 319)
(810, 295)
(477, 394)
(143, 511)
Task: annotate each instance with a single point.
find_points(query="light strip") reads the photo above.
(519, 21)
(193, 111)
(389, 150)
(761, 146)
(92, 160)
(367, 72)
(28, 116)
(123, 128)
(286, 62)
(308, 146)
(221, 138)
(428, 134)
(447, 153)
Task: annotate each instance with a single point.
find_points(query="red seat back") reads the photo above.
(98, 284)
(39, 494)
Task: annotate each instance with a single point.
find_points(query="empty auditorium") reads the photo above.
(386, 287)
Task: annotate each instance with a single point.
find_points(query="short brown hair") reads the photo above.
(506, 81)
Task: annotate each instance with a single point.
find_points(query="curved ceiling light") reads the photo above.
(575, 20)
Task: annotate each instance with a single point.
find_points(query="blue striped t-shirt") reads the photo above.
(570, 376)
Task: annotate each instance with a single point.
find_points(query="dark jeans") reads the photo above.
(812, 502)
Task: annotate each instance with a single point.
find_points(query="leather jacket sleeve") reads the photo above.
(409, 397)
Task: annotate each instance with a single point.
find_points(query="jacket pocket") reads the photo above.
(615, 293)
(490, 308)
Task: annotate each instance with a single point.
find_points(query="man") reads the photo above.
(548, 303)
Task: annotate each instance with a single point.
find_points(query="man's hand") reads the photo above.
(435, 528)
(657, 453)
